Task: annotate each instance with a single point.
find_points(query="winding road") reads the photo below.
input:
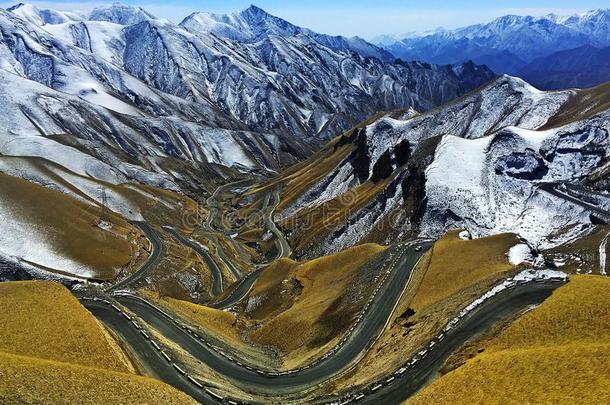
(367, 328)
(217, 281)
(360, 338)
(158, 250)
(503, 306)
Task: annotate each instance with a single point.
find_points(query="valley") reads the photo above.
(234, 209)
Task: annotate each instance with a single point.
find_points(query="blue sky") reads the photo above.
(356, 17)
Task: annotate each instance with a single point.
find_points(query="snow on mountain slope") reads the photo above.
(254, 24)
(92, 141)
(104, 39)
(525, 37)
(474, 163)
(507, 101)
(120, 14)
(488, 185)
(593, 23)
(287, 80)
(19, 241)
(287, 83)
(44, 16)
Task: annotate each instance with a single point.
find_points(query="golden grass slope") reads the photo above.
(317, 310)
(28, 380)
(558, 353)
(53, 351)
(457, 264)
(219, 323)
(578, 312)
(42, 319)
(70, 226)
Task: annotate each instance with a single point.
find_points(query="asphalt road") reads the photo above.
(243, 286)
(158, 250)
(359, 340)
(284, 249)
(551, 189)
(501, 307)
(217, 282)
(238, 291)
(144, 351)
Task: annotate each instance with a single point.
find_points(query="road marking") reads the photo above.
(155, 345)
(166, 356)
(376, 387)
(177, 367)
(116, 308)
(145, 335)
(135, 324)
(197, 383)
(213, 394)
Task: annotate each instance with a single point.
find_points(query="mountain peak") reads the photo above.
(43, 16)
(120, 13)
(254, 10)
(16, 6)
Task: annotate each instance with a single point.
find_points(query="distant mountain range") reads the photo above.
(515, 45)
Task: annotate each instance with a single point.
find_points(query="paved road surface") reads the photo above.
(158, 250)
(217, 282)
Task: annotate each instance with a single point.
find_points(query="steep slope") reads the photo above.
(53, 350)
(120, 14)
(43, 16)
(474, 163)
(293, 84)
(254, 24)
(248, 70)
(88, 247)
(555, 353)
(586, 66)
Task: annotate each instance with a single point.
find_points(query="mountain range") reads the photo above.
(144, 94)
(516, 45)
(253, 212)
(473, 164)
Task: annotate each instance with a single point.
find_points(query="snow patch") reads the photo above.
(520, 253)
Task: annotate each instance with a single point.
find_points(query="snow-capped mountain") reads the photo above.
(43, 16)
(254, 24)
(507, 43)
(120, 14)
(474, 163)
(125, 89)
(259, 70)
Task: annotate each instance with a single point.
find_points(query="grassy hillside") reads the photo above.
(449, 276)
(215, 321)
(69, 226)
(317, 300)
(53, 351)
(457, 264)
(42, 319)
(557, 353)
(28, 380)
(577, 313)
